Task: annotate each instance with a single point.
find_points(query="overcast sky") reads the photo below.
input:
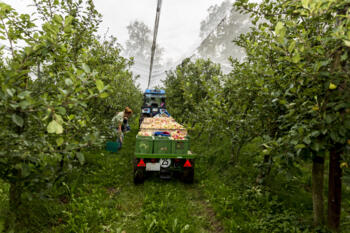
(178, 30)
(179, 21)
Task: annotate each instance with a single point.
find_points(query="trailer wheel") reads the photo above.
(139, 173)
(188, 174)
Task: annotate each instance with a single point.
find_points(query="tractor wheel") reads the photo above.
(139, 174)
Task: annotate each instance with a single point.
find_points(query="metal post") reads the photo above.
(154, 44)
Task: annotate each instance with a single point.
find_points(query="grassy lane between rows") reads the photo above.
(104, 198)
(100, 196)
(241, 203)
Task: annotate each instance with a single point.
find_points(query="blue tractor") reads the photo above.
(153, 104)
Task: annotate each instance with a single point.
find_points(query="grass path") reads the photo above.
(163, 205)
(105, 188)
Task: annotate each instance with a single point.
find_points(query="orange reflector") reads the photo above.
(141, 163)
(187, 164)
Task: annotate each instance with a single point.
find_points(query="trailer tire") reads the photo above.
(188, 174)
(139, 174)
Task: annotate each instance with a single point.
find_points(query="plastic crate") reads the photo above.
(113, 146)
(180, 146)
(162, 145)
(144, 144)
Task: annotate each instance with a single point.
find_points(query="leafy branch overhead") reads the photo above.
(59, 90)
(291, 91)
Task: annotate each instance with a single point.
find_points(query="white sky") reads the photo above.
(178, 30)
(179, 20)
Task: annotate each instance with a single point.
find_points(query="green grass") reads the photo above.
(282, 204)
(104, 198)
(101, 197)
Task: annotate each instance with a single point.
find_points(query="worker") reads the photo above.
(120, 123)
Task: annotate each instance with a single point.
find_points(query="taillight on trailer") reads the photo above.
(187, 164)
(141, 163)
(153, 160)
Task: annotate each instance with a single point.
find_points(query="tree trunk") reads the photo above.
(317, 190)
(235, 153)
(334, 190)
(265, 169)
(238, 152)
(15, 196)
(15, 202)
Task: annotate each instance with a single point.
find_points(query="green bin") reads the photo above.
(112, 146)
(180, 146)
(162, 145)
(144, 144)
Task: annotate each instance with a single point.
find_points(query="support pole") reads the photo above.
(154, 44)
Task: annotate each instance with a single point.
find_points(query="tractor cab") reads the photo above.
(153, 103)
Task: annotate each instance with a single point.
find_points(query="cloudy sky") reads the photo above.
(178, 30)
(179, 21)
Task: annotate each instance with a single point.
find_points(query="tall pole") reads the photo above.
(154, 44)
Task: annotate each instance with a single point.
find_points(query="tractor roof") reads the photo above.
(155, 91)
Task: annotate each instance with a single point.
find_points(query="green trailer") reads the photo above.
(164, 156)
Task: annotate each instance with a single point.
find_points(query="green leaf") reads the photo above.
(81, 158)
(347, 43)
(279, 28)
(329, 119)
(27, 50)
(104, 95)
(315, 146)
(315, 133)
(68, 20)
(51, 128)
(99, 84)
(347, 123)
(59, 141)
(59, 119)
(307, 140)
(332, 86)
(17, 120)
(10, 92)
(54, 127)
(296, 57)
(24, 94)
(71, 117)
(291, 46)
(61, 110)
(25, 170)
(68, 82)
(86, 68)
(59, 129)
(24, 104)
(58, 19)
(300, 146)
(305, 3)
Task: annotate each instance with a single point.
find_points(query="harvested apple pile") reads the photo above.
(151, 125)
(178, 135)
(145, 133)
(160, 123)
